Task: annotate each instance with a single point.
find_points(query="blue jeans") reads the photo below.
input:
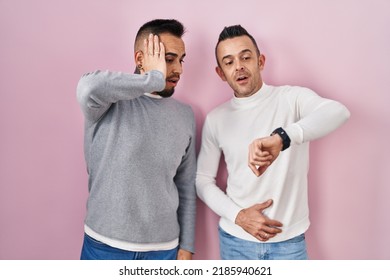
(233, 248)
(96, 250)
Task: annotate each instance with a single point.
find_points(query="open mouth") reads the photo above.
(173, 81)
(242, 79)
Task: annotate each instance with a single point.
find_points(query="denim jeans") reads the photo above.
(233, 248)
(96, 250)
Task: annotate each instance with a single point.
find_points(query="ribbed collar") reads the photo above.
(153, 95)
(245, 102)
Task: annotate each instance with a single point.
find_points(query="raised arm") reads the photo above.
(96, 91)
(316, 117)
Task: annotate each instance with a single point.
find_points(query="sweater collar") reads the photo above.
(259, 96)
(153, 95)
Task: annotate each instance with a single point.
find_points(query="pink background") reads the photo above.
(340, 49)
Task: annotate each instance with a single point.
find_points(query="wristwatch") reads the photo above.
(285, 139)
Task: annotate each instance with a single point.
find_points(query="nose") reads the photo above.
(177, 68)
(239, 66)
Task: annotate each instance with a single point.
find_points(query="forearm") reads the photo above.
(187, 214)
(323, 120)
(216, 199)
(208, 165)
(185, 182)
(187, 221)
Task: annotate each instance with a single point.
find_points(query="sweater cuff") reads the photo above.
(159, 76)
(231, 215)
(295, 133)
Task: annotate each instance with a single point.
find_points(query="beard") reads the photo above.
(166, 92)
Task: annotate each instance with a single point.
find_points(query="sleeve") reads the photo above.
(207, 189)
(317, 117)
(96, 91)
(185, 182)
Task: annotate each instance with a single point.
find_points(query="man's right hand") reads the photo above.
(256, 223)
(154, 55)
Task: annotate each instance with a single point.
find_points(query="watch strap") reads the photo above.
(285, 139)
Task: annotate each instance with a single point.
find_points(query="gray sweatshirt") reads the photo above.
(141, 161)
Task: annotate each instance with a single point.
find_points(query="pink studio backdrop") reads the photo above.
(341, 49)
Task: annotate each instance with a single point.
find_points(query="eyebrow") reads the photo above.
(241, 52)
(174, 54)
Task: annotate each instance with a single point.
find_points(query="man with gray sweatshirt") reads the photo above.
(140, 154)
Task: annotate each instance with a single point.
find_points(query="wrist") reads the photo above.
(239, 217)
(278, 139)
(283, 136)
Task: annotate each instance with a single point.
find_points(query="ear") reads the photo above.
(220, 73)
(139, 58)
(261, 61)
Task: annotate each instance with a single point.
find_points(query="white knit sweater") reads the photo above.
(232, 126)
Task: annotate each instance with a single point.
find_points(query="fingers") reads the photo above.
(254, 169)
(268, 228)
(153, 46)
(251, 162)
(268, 222)
(258, 159)
(162, 50)
(256, 223)
(265, 236)
(274, 224)
(150, 45)
(154, 55)
(262, 206)
(146, 46)
(267, 231)
(156, 45)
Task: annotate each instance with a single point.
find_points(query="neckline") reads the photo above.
(244, 102)
(155, 96)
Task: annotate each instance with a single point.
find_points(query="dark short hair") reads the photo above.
(234, 31)
(159, 26)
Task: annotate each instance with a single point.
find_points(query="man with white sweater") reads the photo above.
(263, 133)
